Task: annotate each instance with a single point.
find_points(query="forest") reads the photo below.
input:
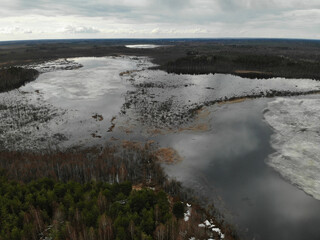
(15, 77)
(244, 65)
(55, 210)
(110, 193)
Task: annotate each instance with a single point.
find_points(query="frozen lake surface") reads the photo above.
(226, 149)
(76, 105)
(143, 46)
(297, 141)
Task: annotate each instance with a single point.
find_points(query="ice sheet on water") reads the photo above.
(199, 88)
(62, 105)
(143, 46)
(296, 141)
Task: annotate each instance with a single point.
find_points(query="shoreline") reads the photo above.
(252, 59)
(269, 94)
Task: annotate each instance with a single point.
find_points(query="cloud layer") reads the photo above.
(22, 19)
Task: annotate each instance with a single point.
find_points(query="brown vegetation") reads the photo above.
(127, 72)
(112, 124)
(98, 117)
(167, 155)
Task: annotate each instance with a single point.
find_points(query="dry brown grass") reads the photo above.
(167, 155)
(201, 121)
(202, 113)
(137, 187)
(128, 72)
(132, 145)
(250, 71)
(155, 131)
(238, 100)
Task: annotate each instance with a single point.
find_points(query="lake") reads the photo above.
(223, 148)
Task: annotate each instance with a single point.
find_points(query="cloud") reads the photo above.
(159, 18)
(14, 30)
(78, 29)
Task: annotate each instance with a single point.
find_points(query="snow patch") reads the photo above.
(187, 214)
(209, 225)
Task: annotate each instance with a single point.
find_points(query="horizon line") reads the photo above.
(161, 38)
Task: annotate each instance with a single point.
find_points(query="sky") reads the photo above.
(60, 19)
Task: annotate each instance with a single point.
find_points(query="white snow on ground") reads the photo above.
(187, 214)
(209, 225)
(27, 121)
(143, 46)
(296, 123)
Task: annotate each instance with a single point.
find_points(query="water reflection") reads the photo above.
(228, 162)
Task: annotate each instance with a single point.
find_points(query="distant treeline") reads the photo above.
(15, 77)
(244, 65)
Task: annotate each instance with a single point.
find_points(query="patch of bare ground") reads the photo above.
(98, 117)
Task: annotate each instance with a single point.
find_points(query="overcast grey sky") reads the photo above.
(43, 19)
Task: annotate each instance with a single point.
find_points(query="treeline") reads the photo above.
(192, 64)
(15, 77)
(87, 194)
(48, 209)
(134, 162)
(244, 65)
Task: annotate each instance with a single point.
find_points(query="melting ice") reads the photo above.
(296, 141)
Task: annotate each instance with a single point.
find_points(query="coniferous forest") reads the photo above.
(95, 210)
(75, 195)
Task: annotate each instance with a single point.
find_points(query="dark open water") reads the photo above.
(228, 165)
